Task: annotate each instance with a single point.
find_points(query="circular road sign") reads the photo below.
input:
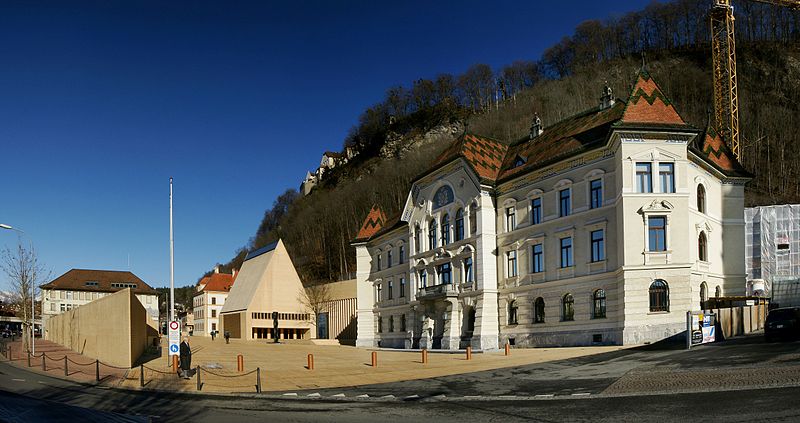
(173, 348)
(173, 325)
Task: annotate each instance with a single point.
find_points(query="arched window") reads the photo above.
(702, 247)
(417, 238)
(599, 301)
(432, 234)
(659, 295)
(473, 219)
(567, 307)
(391, 323)
(718, 291)
(460, 224)
(512, 312)
(538, 310)
(445, 229)
(703, 295)
(701, 198)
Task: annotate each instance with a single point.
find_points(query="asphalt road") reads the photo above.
(30, 397)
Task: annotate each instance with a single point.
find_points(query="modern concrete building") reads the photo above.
(267, 283)
(337, 318)
(212, 292)
(603, 228)
(82, 286)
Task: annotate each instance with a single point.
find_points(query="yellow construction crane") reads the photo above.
(723, 50)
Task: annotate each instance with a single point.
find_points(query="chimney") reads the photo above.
(233, 273)
(536, 127)
(607, 100)
(216, 269)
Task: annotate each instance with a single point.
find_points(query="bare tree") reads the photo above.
(316, 298)
(25, 274)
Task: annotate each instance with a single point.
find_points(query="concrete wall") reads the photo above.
(112, 329)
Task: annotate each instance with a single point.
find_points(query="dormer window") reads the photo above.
(519, 161)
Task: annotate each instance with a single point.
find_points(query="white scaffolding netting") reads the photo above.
(772, 250)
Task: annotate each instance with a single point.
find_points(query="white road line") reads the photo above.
(581, 394)
(362, 396)
(388, 397)
(290, 394)
(18, 380)
(410, 397)
(544, 396)
(314, 395)
(339, 396)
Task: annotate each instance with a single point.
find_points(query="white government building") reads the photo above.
(604, 228)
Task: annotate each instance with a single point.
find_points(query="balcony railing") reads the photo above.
(443, 290)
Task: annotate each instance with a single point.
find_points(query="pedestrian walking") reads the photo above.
(227, 337)
(213, 334)
(186, 358)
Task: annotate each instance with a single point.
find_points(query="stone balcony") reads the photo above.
(437, 291)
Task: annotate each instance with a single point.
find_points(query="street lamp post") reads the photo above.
(33, 297)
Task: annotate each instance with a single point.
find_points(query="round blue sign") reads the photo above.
(173, 348)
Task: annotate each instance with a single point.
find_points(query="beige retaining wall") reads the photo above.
(112, 329)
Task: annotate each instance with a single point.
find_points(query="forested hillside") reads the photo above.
(394, 145)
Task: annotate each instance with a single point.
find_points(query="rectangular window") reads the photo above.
(511, 259)
(379, 261)
(511, 218)
(598, 246)
(445, 275)
(213, 300)
(213, 313)
(564, 202)
(536, 211)
(402, 287)
(657, 233)
(389, 259)
(596, 193)
(566, 252)
(468, 269)
(52, 306)
(666, 172)
(423, 279)
(214, 327)
(379, 294)
(537, 262)
(644, 177)
(389, 290)
(401, 256)
(432, 235)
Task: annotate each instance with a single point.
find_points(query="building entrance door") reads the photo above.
(322, 326)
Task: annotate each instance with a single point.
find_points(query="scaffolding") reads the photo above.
(772, 250)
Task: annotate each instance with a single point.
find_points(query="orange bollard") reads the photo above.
(240, 363)
(311, 362)
(424, 356)
(374, 359)
(175, 363)
(469, 353)
(508, 348)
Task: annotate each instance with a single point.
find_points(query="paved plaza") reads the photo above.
(284, 366)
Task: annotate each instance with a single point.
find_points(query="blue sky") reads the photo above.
(102, 101)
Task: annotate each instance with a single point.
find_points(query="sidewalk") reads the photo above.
(78, 367)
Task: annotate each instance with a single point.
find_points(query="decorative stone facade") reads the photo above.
(604, 228)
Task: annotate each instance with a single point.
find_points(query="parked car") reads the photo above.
(782, 323)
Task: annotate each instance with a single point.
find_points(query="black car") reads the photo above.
(782, 323)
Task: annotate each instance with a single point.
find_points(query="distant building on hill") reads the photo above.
(81, 286)
(603, 228)
(329, 160)
(207, 303)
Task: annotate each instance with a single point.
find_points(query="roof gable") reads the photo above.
(374, 222)
(483, 154)
(218, 282)
(647, 104)
(712, 148)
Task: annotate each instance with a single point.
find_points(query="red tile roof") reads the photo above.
(566, 138)
(99, 281)
(217, 282)
(648, 104)
(712, 147)
(375, 220)
(485, 155)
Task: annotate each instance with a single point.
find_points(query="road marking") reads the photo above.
(581, 394)
(544, 396)
(339, 396)
(362, 396)
(18, 380)
(410, 397)
(314, 395)
(388, 397)
(290, 394)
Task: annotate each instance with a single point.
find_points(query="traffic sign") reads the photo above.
(174, 337)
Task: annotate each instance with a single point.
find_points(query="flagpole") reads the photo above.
(171, 260)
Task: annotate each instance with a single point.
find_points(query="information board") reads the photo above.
(174, 338)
